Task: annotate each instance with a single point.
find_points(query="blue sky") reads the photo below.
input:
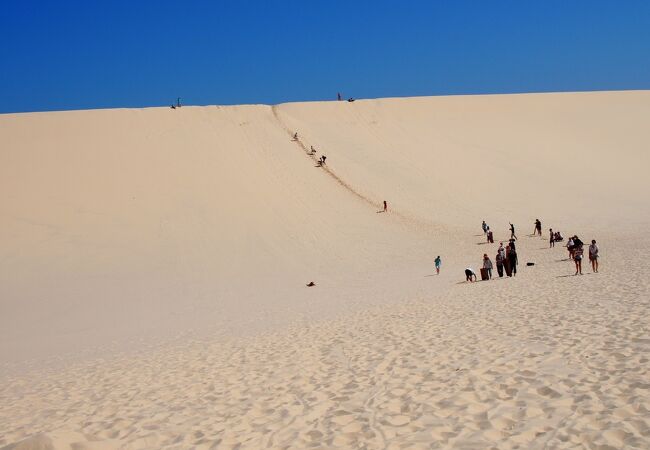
(58, 55)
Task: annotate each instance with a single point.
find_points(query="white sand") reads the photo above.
(154, 261)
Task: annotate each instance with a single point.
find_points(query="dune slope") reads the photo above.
(162, 256)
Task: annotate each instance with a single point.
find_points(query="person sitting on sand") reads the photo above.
(469, 274)
(558, 237)
(437, 262)
(593, 256)
(322, 159)
(312, 150)
(295, 136)
(487, 265)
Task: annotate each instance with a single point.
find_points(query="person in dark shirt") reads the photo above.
(512, 232)
(512, 260)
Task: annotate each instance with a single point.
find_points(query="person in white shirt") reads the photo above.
(469, 274)
(593, 256)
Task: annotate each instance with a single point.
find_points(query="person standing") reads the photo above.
(437, 262)
(512, 260)
(570, 246)
(385, 206)
(512, 232)
(538, 228)
(499, 260)
(487, 265)
(484, 227)
(551, 239)
(490, 236)
(593, 256)
(577, 258)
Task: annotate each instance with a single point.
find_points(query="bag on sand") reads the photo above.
(484, 275)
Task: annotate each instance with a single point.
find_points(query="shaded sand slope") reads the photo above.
(131, 222)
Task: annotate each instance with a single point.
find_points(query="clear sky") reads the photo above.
(111, 53)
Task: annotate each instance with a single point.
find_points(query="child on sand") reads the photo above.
(437, 262)
(469, 274)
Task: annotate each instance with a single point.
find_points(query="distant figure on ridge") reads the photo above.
(295, 136)
(351, 99)
(538, 228)
(385, 206)
(312, 150)
(437, 262)
(338, 96)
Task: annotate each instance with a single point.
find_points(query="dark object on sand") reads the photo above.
(310, 284)
(530, 264)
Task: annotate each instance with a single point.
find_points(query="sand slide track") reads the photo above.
(413, 222)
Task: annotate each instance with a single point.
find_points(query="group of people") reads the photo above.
(506, 261)
(576, 253)
(554, 236)
(488, 233)
(312, 151)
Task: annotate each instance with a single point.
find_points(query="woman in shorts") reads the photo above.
(577, 258)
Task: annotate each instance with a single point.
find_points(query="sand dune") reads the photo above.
(152, 282)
